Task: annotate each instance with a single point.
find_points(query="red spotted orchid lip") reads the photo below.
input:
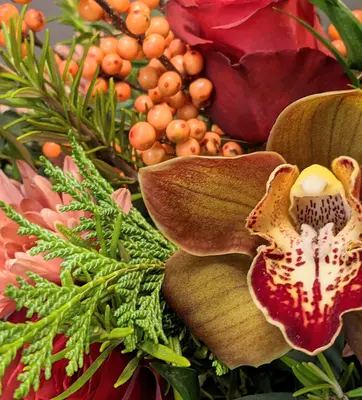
(309, 274)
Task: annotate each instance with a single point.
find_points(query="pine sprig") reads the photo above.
(111, 276)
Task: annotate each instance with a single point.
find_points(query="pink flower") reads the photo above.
(258, 59)
(35, 200)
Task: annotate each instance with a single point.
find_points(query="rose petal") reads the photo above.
(250, 95)
(201, 203)
(319, 128)
(211, 295)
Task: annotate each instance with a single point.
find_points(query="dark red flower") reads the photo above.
(145, 384)
(258, 59)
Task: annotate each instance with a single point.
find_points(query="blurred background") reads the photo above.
(62, 32)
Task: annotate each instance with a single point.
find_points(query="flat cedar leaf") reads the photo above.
(183, 380)
(347, 26)
(20, 148)
(268, 396)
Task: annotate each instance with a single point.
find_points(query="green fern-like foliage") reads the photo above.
(111, 277)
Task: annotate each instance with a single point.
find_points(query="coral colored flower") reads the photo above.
(258, 59)
(35, 200)
(271, 257)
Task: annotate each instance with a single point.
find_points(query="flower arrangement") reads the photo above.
(180, 201)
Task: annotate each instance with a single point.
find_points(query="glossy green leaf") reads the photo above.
(119, 333)
(183, 380)
(127, 373)
(164, 353)
(354, 393)
(347, 26)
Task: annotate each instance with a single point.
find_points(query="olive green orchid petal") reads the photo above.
(319, 128)
(211, 296)
(352, 328)
(201, 203)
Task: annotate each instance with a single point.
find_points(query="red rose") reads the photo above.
(145, 383)
(258, 59)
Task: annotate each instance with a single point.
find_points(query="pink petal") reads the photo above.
(9, 193)
(123, 198)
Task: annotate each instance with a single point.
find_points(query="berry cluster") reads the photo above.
(34, 20)
(172, 90)
(337, 41)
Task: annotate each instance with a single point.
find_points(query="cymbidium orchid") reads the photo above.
(271, 242)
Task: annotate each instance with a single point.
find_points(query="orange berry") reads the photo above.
(137, 22)
(169, 83)
(358, 14)
(35, 20)
(198, 128)
(189, 148)
(152, 3)
(178, 63)
(142, 136)
(157, 65)
(215, 128)
(22, 1)
(72, 68)
(90, 10)
(89, 68)
(143, 103)
(340, 46)
(24, 50)
(154, 155)
(128, 48)
(117, 147)
(200, 89)
(167, 54)
(212, 136)
(109, 45)
(333, 33)
(120, 6)
(123, 91)
(97, 53)
(159, 117)
(169, 38)
(147, 77)
(194, 62)
(7, 12)
(178, 131)
(139, 6)
(159, 25)
(101, 85)
(112, 64)
(231, 149)
(126, 69)
(177, 100)
(154, 45)
(2, 39)
(155, 95)
(172, 109)
(187, 112)
(176, 47)
(140, 55)
(51, 150)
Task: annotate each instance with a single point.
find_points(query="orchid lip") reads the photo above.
(310, 273)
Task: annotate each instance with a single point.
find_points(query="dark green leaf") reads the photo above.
(268, 396)
(183, 380)
(20, 148)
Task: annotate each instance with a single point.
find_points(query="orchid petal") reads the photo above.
(320, 128)
(211, 295)
(201, 203)
(305, 281)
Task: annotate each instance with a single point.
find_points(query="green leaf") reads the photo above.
(347, 26)
(127, 373)
(119, 333)
(164, 353)
(268, 396)
(183, 380)
(354, 393)
(22, 150)
(313, 388)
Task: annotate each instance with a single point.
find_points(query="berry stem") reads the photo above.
(119, 24)
(117, 21)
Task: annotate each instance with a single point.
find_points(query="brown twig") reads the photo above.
(38, 43)
(119, 24)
